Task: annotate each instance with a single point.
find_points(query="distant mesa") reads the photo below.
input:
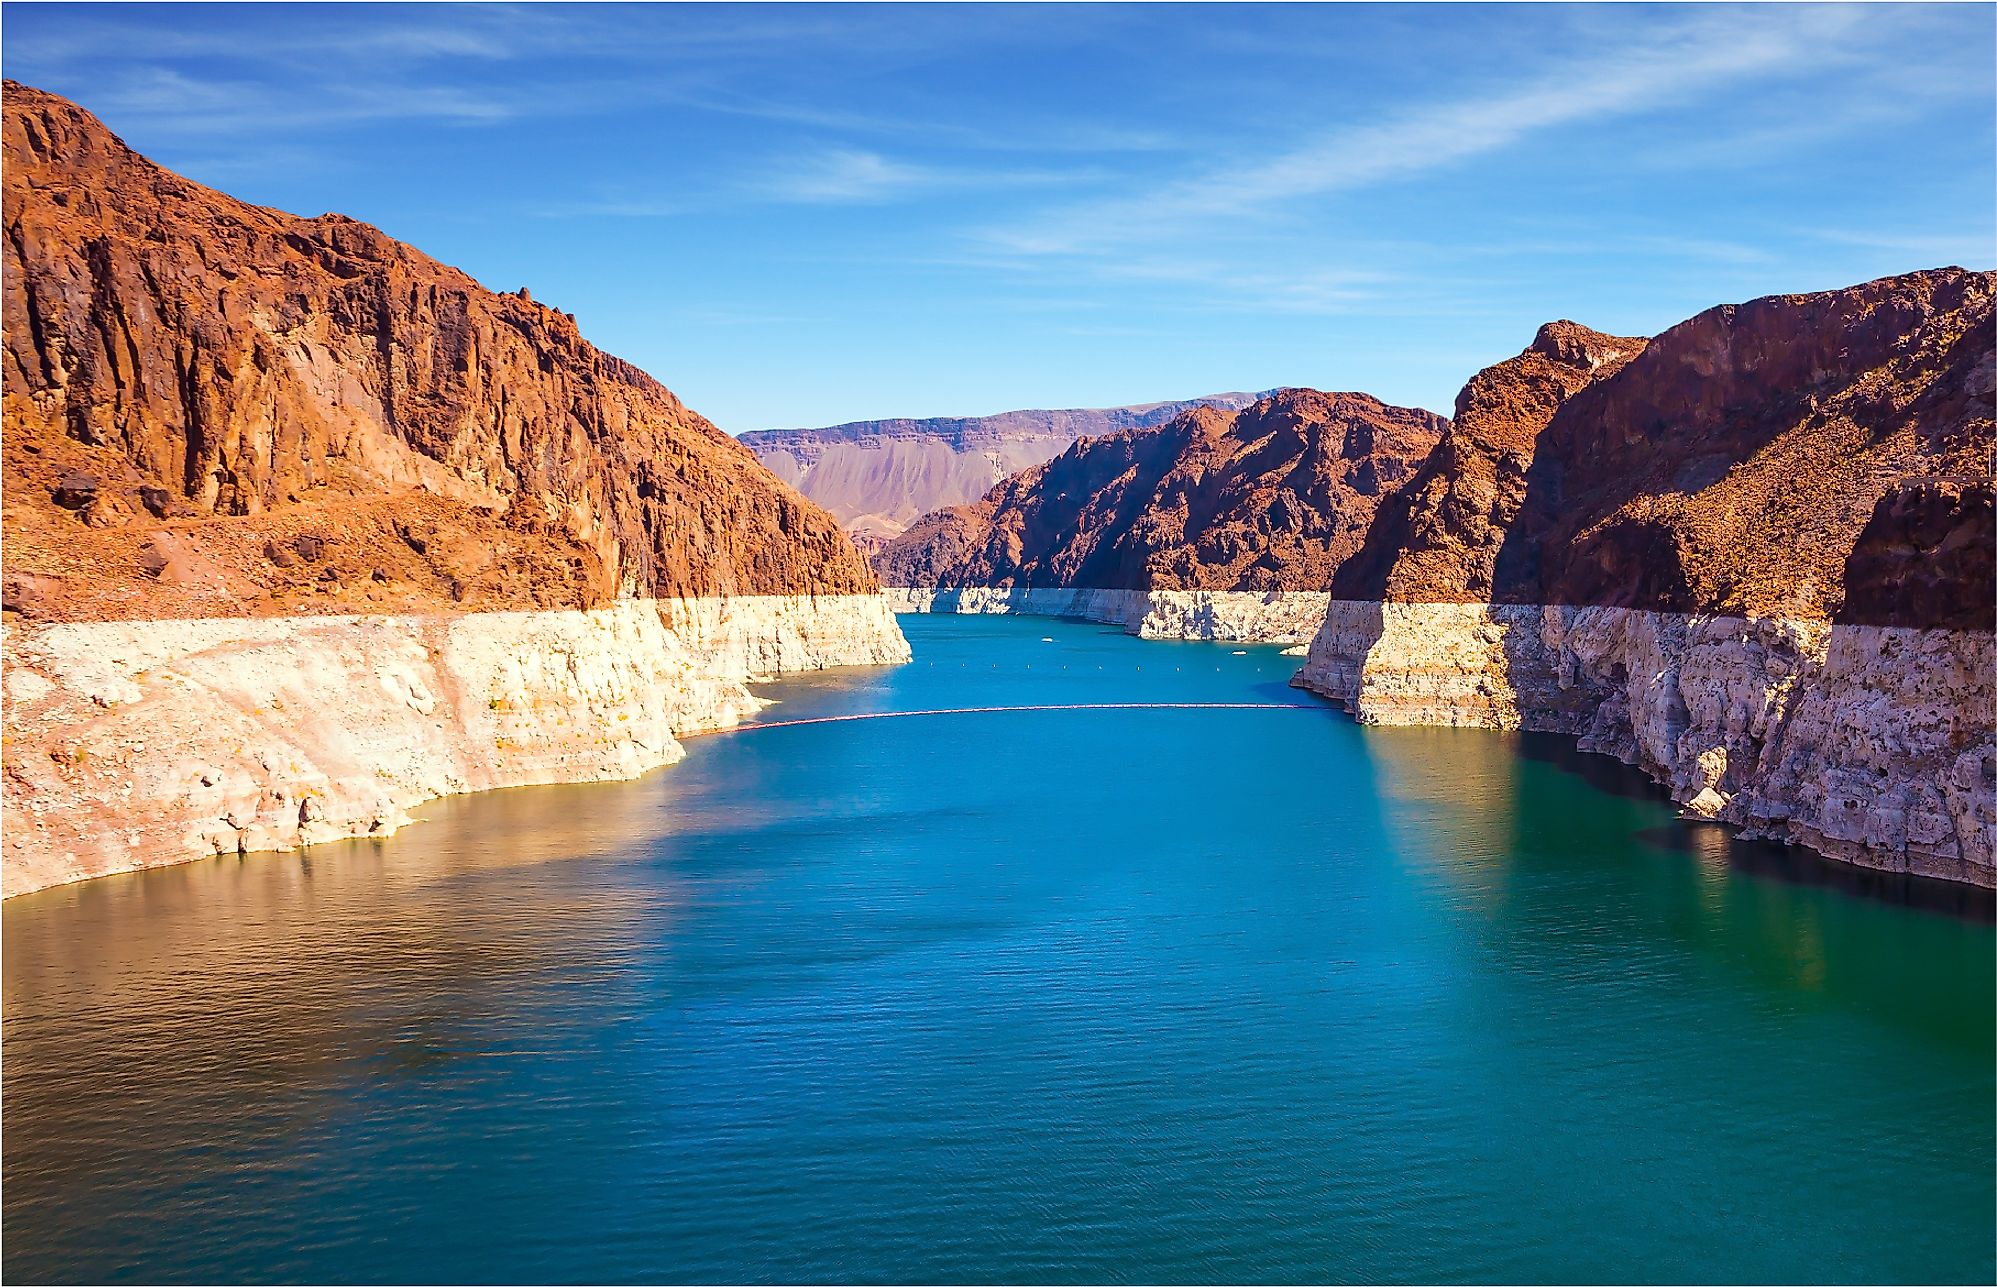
(877, 476)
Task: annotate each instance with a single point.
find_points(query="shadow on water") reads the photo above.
(1553, 861)
(1716, 842)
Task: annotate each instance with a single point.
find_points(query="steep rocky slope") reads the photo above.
(1732, 467)
(1266, 502)
(878, 476)
(1924, 555)
(1437, 539)
(1755, 558)
(189, 377)
(351, 500)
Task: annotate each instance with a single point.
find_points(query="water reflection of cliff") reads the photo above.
(1536, 837)
(270, 991)
(1480, 788)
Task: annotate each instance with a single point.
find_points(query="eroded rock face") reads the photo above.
(140, 743)
(1437, 539)
(1930, 543)
(233, 375)
(1754, 559)
(1270, 498)
(878, 476)
(1730, 468)
(1727, 466)
(1870, 744)
(303, 527)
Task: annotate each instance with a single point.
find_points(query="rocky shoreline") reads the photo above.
(1219, 616)
(136, 744)
(1873, 745)
(304, 528)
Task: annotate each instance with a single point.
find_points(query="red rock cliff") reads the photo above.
(1272, 497)
(1822, 456)
(213, 408)
(1732, 467)
(1437, 539)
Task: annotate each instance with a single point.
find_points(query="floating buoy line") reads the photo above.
(1004, 710)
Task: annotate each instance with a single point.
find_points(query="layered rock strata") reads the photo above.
(1256, 507)
(139, 743)
(303, 527)
(1755, 559)
(1870, 744)
(878, 476)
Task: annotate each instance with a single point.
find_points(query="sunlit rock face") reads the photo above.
(1753, 556)
(142, 743)
(303, 527)
(1206, 516)
(1871, 744)
(194, 382)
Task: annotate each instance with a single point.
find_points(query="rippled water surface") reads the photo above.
(1085, 995)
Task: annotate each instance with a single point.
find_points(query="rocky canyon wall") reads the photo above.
(181, 362)
(1217, 525)
(1756, 558)
(303, 527)
(1870, 744)
(140, 743)
(1219, 616)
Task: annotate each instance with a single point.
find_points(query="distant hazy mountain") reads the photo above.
(878, 476)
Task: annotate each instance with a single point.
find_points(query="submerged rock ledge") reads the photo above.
(1874, 745)
(135, 744)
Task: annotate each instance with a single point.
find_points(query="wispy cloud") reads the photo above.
(1659, 69)
(176, 103)
(1294, 288)
(616, 208)
(845, 175)
(828, 176)
(1930, 248)
(364, 62)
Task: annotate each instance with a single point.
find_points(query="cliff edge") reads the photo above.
(303, 527)
(1753, 556)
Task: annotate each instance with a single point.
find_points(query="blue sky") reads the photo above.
(797, 215)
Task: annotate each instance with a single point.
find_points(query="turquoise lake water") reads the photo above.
(1135, 995)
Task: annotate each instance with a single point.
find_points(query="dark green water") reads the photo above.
(1127, 995)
